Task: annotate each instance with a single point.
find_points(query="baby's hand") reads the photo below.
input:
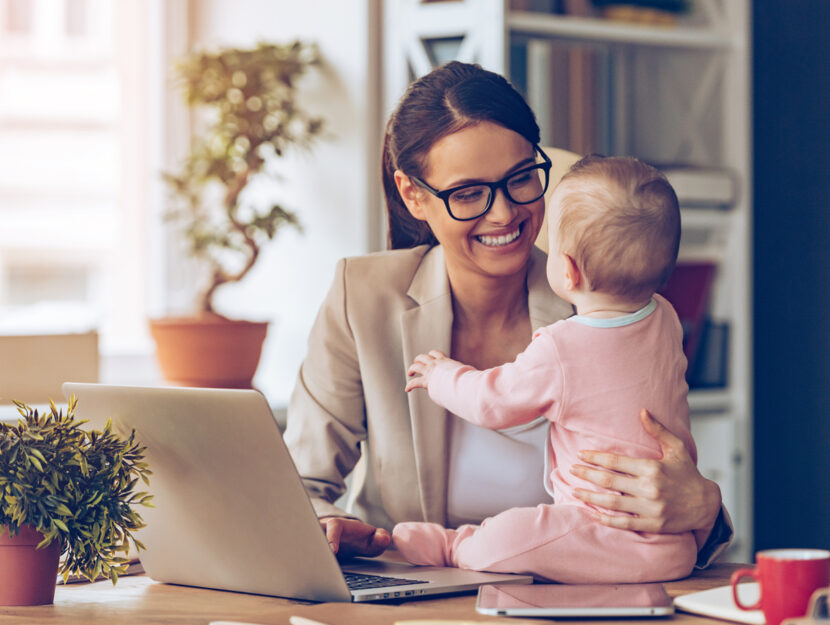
(423, 365)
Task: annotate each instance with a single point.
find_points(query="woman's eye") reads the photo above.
(473, 194)
(520, 179)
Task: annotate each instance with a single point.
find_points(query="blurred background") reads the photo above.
(729, 97)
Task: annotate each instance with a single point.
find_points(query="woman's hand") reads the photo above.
(665, 496)
(423, 366)
(350, 537)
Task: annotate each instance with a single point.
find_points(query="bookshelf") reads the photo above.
(676, 94)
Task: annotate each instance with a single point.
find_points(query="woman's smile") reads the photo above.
(501, 238)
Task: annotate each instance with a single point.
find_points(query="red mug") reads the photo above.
(787, 579)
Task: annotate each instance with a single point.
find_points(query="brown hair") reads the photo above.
(448, 99)
(620, 222)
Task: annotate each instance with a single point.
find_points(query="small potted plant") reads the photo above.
(65, 491)
(250, 98)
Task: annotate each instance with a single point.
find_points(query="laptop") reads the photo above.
(230, 509)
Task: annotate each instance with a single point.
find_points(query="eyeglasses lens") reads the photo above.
(522, 188)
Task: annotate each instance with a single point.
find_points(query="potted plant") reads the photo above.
(65, 491)
(250, 97)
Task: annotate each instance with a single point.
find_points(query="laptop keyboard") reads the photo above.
(360, 581)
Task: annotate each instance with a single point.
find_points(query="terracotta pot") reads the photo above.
(27, 575)
(208, 350)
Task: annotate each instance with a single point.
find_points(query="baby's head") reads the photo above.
(618, 221)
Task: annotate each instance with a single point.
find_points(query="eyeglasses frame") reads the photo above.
(494, 187)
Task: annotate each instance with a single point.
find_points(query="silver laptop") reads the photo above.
(230, 510)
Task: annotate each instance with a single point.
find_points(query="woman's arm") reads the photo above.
(326, 413)
(668, 495)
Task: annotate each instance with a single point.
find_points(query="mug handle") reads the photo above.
(819, 603)
(736, 577)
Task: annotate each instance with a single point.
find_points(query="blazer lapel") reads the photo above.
(426, 326)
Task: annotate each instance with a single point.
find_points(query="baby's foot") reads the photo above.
(424, 544)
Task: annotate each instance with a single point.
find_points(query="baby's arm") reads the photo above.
(504, 396)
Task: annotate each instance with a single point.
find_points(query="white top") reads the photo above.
(493, 470)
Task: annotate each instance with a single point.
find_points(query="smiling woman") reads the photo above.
(498, 239)
(471, 285)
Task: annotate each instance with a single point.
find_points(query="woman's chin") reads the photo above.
(503, 260)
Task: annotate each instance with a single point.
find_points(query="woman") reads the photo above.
(463, 277)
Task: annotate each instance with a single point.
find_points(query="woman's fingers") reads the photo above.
(350, 537)
(626, 522)
(669, 443)
(378, 543)
(636, 506)
(641, 515)
(334, 529)
(608, 479)
(638, 467)
(665, 495)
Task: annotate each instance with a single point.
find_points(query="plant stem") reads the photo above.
(219, 276)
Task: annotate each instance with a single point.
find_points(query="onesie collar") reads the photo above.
(617, 322)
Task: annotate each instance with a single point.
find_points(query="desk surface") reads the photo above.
(141, 600)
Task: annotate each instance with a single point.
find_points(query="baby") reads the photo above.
(614, 227)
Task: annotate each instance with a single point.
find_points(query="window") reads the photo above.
(75, 167)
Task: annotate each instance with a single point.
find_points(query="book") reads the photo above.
(705, 187)
(688, 289)
(711, 364)
(718, 603)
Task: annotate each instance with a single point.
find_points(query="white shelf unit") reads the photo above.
(676, 94)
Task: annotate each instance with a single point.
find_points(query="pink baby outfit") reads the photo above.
(591, 378)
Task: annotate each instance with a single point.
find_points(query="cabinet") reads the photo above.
(667, 94)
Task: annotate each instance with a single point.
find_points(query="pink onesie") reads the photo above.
(591, 378)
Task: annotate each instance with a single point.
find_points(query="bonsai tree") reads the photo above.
(74, 486)
(252, 119)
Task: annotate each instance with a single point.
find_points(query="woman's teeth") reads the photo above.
(503, 239)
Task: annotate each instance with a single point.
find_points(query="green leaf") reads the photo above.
(35, 462)
(47, 540)
(35, 452)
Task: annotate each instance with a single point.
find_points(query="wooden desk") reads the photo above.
(139, 600)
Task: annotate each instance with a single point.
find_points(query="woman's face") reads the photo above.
(499, 242)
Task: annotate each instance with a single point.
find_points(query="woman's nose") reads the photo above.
(502, 210)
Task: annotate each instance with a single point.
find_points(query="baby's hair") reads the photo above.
(620, 222)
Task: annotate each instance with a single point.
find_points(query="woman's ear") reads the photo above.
(410, 194)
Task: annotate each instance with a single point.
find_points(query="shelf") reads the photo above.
(712, 218)
(590, 30)
(709, 400)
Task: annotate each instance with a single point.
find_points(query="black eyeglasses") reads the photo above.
(470, 201)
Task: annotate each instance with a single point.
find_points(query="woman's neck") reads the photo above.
(488, 301)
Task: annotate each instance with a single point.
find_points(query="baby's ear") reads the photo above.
(411, 195)
(573, 277)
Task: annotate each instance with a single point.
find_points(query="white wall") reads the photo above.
(335, 189)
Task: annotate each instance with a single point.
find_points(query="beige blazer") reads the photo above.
(349, 403)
